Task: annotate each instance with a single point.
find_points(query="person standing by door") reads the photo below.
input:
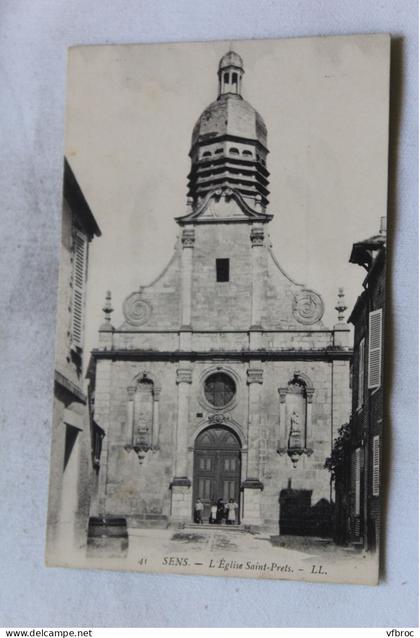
(231, 508)
(198, 511)
(213, 513)
(220, 511)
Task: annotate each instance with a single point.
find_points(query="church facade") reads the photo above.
(222, 381)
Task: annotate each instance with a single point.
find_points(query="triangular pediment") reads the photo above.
(223, 205)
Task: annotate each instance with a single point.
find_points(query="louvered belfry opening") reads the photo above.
(229, 143)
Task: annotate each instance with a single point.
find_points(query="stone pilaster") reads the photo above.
(257, 256)
(103, 418)
(131, 390)
(341, 395)
(181, 485)
(341, 335)
(282, 443)
(252, 485)
(187, 238)
(156, 421)
(309, 432)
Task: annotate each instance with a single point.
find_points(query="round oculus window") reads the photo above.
(219, 389)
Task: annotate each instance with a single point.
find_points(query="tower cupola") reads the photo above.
(229, 143)
(231, 70)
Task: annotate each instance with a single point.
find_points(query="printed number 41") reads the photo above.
(142, 561)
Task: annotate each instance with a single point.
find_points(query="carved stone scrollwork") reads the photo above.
(257, 236)
(294, 453)
(217, 418)
(140, 451)
(188, 237)
(136, 310)
(254, 375)
(308, 307)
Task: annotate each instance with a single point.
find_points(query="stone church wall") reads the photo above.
(141, 490)
(218, 305)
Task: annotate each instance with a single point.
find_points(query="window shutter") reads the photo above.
(357, 482)
(375, 348)
(79, 280)
(375, 466)
(361, 381)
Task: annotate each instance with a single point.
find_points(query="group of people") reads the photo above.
(219, 511)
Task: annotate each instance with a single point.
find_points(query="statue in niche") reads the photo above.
(295, 431)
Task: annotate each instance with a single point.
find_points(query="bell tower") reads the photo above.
(229, 143)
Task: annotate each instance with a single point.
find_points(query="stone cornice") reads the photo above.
(309, 329)
(324, 354)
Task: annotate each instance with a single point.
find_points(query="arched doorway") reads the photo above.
(217, 467)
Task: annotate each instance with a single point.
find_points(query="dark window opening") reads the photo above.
(226, 78)
(234, 78)
(71, 436)
(219, 389)
(234, 151)
(222, 269)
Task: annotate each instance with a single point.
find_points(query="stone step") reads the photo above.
(215, 528)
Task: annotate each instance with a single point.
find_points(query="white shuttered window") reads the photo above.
(375, 465)
(375, 348)
(361, 384)
(79, 281)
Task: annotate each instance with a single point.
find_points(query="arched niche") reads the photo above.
(143, 412)
(295, 436)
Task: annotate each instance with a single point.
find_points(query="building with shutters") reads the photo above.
(222, 381)
(366, 425)
(70, 465)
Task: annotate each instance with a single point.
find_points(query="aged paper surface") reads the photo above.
(219, 362)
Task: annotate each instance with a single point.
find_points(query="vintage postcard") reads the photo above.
(218, 402)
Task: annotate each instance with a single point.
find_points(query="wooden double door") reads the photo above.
(217, 468)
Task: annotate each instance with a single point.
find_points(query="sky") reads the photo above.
(130, 114)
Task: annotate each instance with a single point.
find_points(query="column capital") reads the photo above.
(180, 481)
(184, 375)
(255, 375)
(188, 237)
(156, 394)
(252, 484)
(257, 236)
